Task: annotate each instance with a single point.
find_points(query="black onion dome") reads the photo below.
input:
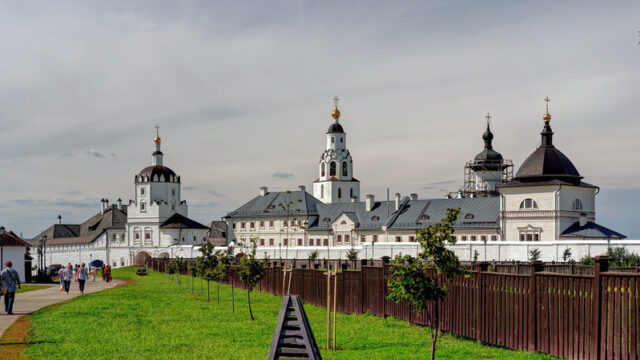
(335, 128)
(547, 163)
(157, 170)
(487, 158)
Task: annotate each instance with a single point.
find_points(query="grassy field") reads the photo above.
(153, 319)
(29, 287)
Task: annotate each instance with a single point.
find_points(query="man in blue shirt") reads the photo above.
(12, 279)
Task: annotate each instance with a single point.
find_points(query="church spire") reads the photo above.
(547, 133)
(156, 157)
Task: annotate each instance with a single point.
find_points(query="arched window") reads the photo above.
(469, 216)
(339, 193)
(333, 140)
(322, 169)
(332, 169)
(351, 193)
(343, 222)
(528, 203)
(345, 170)
(375, 218)
(322, 190)
(577, 204)
(147, 236)
(137, 236)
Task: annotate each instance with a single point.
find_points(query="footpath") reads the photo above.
(30, 301)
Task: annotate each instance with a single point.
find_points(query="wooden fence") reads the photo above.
(570, 315)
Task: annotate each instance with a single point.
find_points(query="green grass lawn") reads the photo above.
(153, 319)
(30, 287)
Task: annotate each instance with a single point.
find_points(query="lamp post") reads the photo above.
(43, 241)
(1, 246)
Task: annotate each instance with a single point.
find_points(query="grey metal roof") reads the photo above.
(302, 203)
(485, 212)
(591, 230)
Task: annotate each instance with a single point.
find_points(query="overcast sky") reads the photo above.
(242, 93)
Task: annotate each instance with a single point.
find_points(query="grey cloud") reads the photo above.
(67, 155)
(68, 203)
(95, 153)
(113, 155)
(215, 193)
(189, 188)
(282, 175)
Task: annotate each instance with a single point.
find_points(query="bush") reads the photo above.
(313, 255)
(352, 254)
(586, 260)
(534, 254)
(622, 257)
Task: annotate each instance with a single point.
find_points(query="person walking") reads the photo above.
(61, 277)
(68, 276)
(12, 279)
(81, 276)
(107, 276)
(94, 270)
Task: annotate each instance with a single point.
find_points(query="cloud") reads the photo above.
(95, 153)
(215, 193)
(282, 175)
(189, 188)
(437, 185)
(113, 155)
(58, 203)
(67, 155)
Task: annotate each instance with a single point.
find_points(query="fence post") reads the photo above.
(601, 265)
(480, 268)
(535, 266)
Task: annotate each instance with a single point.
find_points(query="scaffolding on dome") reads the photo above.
(475, 186)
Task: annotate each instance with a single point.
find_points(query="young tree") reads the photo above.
(476, 255)
(422, 281)
(209, 262)
(534, 254)
(251, 271)
(313, 255)
(293, 225)
(172, 268)
(222, 268)
(352, 254)
(200, 269)
(566, 255)
(193, 272)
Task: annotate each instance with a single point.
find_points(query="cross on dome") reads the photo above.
(336, 113)
(546, 116)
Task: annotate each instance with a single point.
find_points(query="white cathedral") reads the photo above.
(546, 202)
(155, 223)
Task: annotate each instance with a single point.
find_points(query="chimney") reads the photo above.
(354, 199)
(59, 219)
(102, 207)
(397, 201)
(414, 196)
(370, 200)
(301, 187)
(263, 191)
(119, 204)
(583, 219)
(106, 204)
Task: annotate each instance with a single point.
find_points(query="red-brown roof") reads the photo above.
(11, 239)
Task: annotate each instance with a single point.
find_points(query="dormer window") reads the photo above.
(343, 222)
(469, 216)
(424, 217)
(528, 203)
(375, 218)
(577, 204)
(326, 220)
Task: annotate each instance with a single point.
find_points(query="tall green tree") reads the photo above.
(209, 262)
(222, 268)
(423, 280)
(251, 271)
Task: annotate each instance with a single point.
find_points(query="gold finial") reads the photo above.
(157, 139)
(336, 113)
(546, 116)
(488, 117)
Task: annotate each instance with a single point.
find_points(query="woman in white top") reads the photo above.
(68, 276)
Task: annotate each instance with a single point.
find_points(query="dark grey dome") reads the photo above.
(158, 170)
(487, 159)
(547, 163)
(335, 128)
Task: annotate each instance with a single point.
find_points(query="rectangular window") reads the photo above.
(412, 238)
(363, 238)
(173, 192)
(494, 238)
(299, 242)
(346, 238)
(326, 242)
(310, 242)
(293, 223)
(261, 224)
(339, 238)
(285, 242)
(233, 225)
(142, 191)
(483, 237)
(143, 206)
(270, 224)
(270, 242)
(536, 237)
(473, 238)
(375, 238)
(252, 225)
(242, 225)
(398, 238)
(285, 223)
(521, 236)
(463, 237)
(300, 223)
(529, 237)
(261, 242)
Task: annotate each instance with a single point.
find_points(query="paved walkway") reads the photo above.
(31, 301)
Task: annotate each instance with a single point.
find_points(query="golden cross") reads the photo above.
(547, 100)
(335, 101)
(157, 129)
(488, 117)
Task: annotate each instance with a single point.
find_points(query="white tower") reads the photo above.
(335, 182)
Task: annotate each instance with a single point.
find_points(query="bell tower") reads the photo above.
(335, 183)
